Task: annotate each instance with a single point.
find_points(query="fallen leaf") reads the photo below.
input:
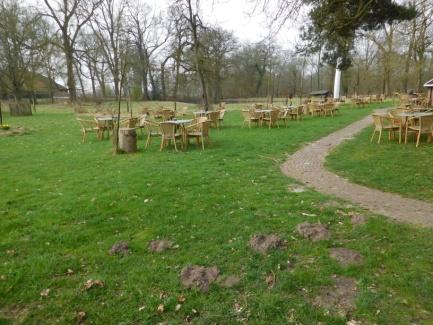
(93, 283)
(81, 316)
(178, 306)
(160, 308)
(141, 308)
(181, 299)
(45, 292)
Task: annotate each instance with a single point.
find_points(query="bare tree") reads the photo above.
(70, 16)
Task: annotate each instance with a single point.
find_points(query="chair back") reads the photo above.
(151, 127)
(274, 115)
(426, 123)
(167, 114)
(87, 124)
(167, 130)
(246, 114)
(205, 128)
(300, 109)
(222, 112)
(377, 119)
(213, 116)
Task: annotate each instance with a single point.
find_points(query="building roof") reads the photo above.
(319, 93)
(429, 84)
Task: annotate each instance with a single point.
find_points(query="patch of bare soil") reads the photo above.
(313, 232)
(15, 313)
(159, 246)
(120, 248)
(345, 256)
(295, 188)
(13, 131)
(199, 277)
(264, 243)
(338, 298)
(228, 281)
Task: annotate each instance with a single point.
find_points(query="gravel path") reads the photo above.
(307, 166)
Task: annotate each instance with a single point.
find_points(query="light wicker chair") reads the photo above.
(152, 130)
(297, 112)
(383, 123)
(250, 117)
(221, 116)
(213, 118)
(88, 126)
(199, 131)
(272, 118)
(168, 133)
(167, 114)
(425, 126)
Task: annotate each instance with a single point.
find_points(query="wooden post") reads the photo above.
(127, 140)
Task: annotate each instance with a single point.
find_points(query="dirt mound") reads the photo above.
(345, 256)
(229, 281)
(119, 248)
(357, 218)
(338, 298)
(159, 246)
(313, 232)
(199, 277)
(264, 243)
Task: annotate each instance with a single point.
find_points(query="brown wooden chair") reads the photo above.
(383, 123)
(168, 133)
(199, 131)
(152, 130)
(88, 126)
(425, 126)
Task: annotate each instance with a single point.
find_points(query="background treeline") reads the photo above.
(104, 48)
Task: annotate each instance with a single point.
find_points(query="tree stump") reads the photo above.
(20, 109)
(127, 140)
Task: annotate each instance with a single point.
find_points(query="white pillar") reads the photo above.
(337, 83)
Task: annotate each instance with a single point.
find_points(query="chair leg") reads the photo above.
(380, 136)
(372, 137)
(405, 136)
(175, 146)
(417, 139)
(202, 143)
(162, 144)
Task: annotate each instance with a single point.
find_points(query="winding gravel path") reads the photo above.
(307, 166)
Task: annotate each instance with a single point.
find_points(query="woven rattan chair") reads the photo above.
(425, 126)
(103, 126)
(272, 118)
(297, 112)
(167, 114)
(199, 131)
(213, 118)
(88, 126)
(383, 123)
(152, 130)
(168, 133)
(250, 117)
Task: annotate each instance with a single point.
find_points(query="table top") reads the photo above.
(263, 110)
(106, 118)
(416, 114)
(179, 122)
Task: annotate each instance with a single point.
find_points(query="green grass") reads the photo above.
(63, 204)
(389, 166)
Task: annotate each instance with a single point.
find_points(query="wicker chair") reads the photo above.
(103, 126)
(88, 126)
(284, 116)
(199, 131)
(328, 109)
(167, 114)
(168, 133)
(213, 118)
(425, 126)
(250, 116)
(383, 123)
(152, 129)
(221, 116)
(297, 112)
(272, 118)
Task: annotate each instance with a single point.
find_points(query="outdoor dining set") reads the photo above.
(271, 116)
(170, 125)
(405, 121)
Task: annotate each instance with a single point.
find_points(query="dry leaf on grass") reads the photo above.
(160, 308)
(45, 292)
(93, 283)
(81, 316)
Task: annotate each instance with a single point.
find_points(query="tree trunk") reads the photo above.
(69, 56)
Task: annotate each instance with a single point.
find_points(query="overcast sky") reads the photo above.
(233, 15)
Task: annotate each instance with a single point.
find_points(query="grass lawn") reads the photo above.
(388, 166)
(63, 204)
